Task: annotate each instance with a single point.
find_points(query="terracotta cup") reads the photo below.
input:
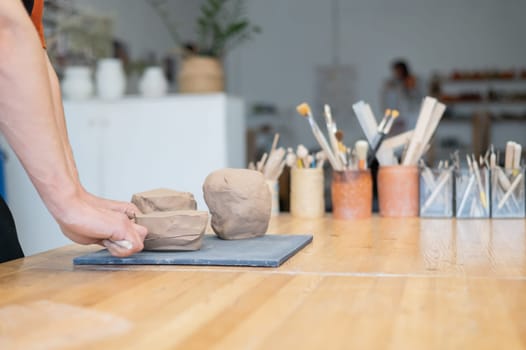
(352, 194)
(307, 199)
(398, 191)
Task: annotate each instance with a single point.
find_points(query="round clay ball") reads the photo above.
(239, 201)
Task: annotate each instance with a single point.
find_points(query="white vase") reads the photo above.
(77, 84)
(111, 80)
(153, 82)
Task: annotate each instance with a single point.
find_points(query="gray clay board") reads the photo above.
(266, 251)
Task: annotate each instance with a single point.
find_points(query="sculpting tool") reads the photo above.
(482, 192)
(427, 175)
(305, 111)
(441, 182)
(512, 188)
(508, 160)
(517, 155)
(415, 144)
(122, 243)
(261, 164)
(468, 187)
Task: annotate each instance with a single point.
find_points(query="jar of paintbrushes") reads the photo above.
(507, 183)
(352, 188)
(398, 182)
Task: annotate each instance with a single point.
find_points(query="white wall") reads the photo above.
(279, 65)
(139, 25)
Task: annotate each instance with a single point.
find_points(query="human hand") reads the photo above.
(86, 224)
(121, 207)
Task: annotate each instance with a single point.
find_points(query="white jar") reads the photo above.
(153, 82)
(111, 81)
(77, 84)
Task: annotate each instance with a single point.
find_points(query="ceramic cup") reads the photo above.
(352, 194)
(307, 193)
(398, 191)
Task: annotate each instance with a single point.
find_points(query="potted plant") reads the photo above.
(221, 26)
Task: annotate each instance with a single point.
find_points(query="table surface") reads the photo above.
(378, 283)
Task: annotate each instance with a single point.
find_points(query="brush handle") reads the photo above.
(324, 145)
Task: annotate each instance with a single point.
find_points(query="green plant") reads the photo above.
(221, 25)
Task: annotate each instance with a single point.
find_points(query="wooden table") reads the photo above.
(379, 283)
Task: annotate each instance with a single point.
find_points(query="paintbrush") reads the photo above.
(384, 120)
(383, 131)
(305, 111)
(302, 153)
(332, 129)
(361, 148)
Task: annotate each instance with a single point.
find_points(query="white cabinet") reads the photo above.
(132, 145)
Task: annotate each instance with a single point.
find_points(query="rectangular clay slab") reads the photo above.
(174, 230)
(163, 199)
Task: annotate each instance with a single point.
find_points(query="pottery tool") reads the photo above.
(368, 124)
(512, 188)
(274, 143)
(397, 141)
(366, 119)
(261, 163)
(274, 165)
(492, 158)
(517, 155)
(444, 178)
(305, 111)
(122, 243)
(427, 175)
(482, 192)
(468, 187)
(430, 114)
(361, 148)
(508, 160)
(332, 129)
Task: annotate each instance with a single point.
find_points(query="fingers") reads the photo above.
(127, 239)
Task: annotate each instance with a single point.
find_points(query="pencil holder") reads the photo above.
(398, 191)
(307, 193)
(352, 194)
(436, 193)
(472, 193)
(507, 193)
(273, 187)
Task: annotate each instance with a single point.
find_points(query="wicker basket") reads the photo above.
(200, 74)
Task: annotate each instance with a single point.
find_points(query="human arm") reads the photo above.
(27, 120)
